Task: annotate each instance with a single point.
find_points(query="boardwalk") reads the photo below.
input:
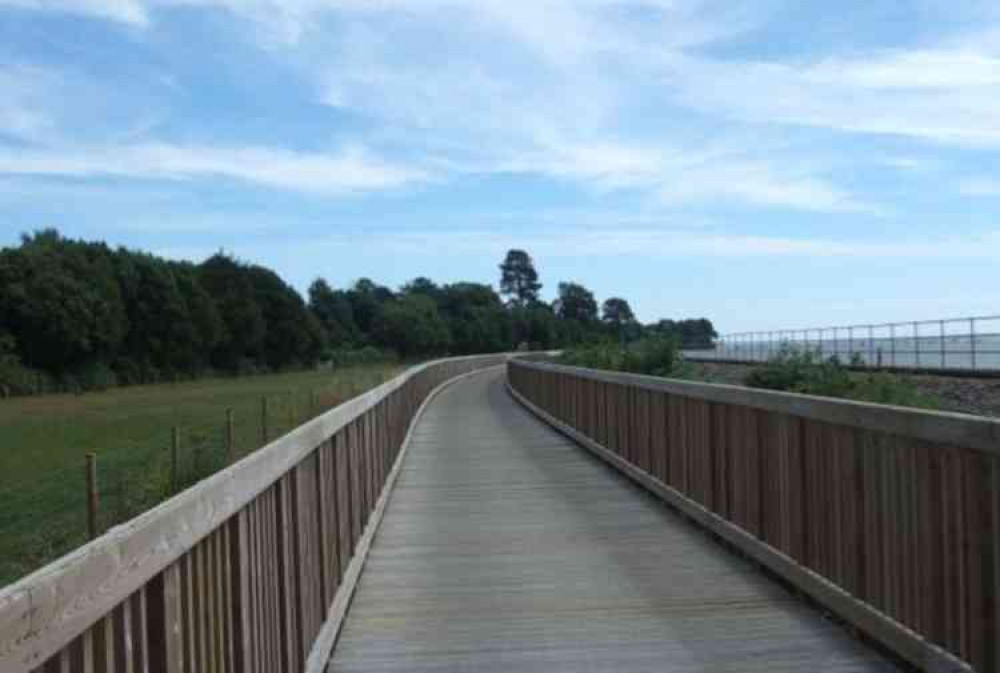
(507, 548)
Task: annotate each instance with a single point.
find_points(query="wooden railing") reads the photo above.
(250, 571)
(889, 517)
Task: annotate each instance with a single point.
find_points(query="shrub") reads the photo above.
(806, 373)
(655, 356)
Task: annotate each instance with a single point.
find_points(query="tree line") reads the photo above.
(85, 315)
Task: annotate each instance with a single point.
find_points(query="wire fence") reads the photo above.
(42, 520)
(958, 344)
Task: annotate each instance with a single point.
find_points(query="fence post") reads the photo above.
(92, 495)
(230, 435)
(175, 449)
(943, 348)
(263, 419)
(972, 338)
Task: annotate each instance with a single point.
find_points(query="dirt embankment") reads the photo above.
(952, 393)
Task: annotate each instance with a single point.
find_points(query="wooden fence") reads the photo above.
(249, 571)
(889, 517)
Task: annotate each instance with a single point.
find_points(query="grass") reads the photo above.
(43, 442)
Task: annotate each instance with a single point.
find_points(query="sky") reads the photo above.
(770, 164)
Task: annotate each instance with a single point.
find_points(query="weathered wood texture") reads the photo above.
(235, 575)
(899, 509)
(507, 548)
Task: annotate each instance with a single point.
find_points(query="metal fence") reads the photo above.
(967, 344)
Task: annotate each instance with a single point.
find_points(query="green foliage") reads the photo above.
(519, 279)
(80, 316)
(334, 311)
(352, 357)
(807, 373)
(61, 301)
(617, 312)
(694, 334)
(653, 356)
(577, 303)
(413, 326)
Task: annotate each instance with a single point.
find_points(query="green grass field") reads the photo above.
(44, 440)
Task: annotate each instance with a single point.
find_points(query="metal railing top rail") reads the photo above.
(800, 330)
(108, 569)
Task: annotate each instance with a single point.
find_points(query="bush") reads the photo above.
(95, 376)
(802, 372)
(350, 357)
(805, 373)
(654, 356)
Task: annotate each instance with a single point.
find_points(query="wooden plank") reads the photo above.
(173, 639)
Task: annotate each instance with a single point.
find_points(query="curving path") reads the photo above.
(505, 547)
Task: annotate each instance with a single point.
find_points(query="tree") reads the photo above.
(617, 312)
(519, 279)
(367, 299)
(333, 310)
(242, 339)
(424, 286)
(476, 318)
(577, 303)
(202, 312)
(293, 336)
(412, 327)
(694, 334)
(60, 301)
(535, 327)
(162, 338)
(619, 318)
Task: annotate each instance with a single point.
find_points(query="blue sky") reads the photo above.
(768, 164)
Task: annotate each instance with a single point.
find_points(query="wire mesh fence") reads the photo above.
(958, 344)
(46, 518)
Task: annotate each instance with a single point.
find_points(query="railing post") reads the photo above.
(92, 496)
(916, 341)
(892, 342)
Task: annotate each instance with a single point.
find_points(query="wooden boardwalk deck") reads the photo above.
(507, 548)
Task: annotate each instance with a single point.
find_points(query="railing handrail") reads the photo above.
(974, 432)
(54, 604)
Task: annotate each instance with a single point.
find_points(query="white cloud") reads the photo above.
(948, 95)
(130, 12)
(351, 170)
(646, 242)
